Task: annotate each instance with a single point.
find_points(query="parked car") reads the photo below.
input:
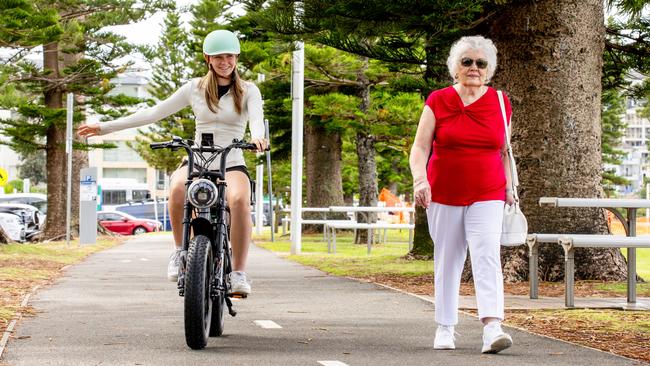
(38, 200)
(123, 223)
(145, 210)
(13, 226)
(32, 218)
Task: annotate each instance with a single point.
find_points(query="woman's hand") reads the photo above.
(262, 144)
(88, 130)
(422, 193)
(510, 198)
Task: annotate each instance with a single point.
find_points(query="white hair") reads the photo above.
(477, 43)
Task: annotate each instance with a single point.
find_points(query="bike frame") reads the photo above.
(211, 222)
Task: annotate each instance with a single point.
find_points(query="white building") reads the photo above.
(124, 162)
(9, 160)
(635, 144)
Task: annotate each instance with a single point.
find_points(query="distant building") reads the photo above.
(124, 162)
(634, 143)
(9, 160)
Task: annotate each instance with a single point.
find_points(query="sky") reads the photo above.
(148, 31)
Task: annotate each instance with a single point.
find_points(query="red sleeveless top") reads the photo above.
(465, 164)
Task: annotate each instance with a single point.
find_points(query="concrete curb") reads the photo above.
(10, 329)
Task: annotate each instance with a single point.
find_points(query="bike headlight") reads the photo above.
(202, 193)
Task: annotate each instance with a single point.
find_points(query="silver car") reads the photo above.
(13, 226)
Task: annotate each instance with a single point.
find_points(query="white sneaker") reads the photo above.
(173, 266)
(494, 339)
(444, 337)
(239, 283)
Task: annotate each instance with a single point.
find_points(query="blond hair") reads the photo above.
(209, 83)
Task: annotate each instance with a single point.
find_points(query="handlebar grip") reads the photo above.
(158, 145)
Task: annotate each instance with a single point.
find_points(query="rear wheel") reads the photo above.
(139, 230)
(198, 304)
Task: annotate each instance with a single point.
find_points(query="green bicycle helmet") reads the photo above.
(219, 42)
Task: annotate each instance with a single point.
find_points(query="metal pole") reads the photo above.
(166, 201)
(68, 150)
(259, 198)
(270, 183)
(647, 210)
(153, 193)
(297, 91)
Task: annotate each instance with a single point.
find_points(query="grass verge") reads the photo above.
(25, 266)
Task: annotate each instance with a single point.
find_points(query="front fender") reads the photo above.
(202, 226)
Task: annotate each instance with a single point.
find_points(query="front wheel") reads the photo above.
(198, 303)
(219, 302)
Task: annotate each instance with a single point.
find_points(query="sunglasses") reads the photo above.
(480, 63)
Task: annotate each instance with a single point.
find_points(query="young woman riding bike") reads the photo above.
(222, 103)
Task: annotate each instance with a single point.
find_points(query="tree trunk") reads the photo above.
(323, 153)
(55, 148)
(550, 62)
(367, 164)
(422, 243)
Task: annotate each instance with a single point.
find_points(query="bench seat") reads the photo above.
(330, 229)
(571, 241)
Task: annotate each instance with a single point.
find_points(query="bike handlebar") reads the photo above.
(190, 148)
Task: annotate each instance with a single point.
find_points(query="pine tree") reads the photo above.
(172, 67)
(421, 32)
(78, 57)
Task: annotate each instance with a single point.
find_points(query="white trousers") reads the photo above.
(453, 229)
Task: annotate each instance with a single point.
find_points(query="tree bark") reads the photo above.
(550, 63)
(367, 164)
(323, 154)
(422, 243)
(55, 149)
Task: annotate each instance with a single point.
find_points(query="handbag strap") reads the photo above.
(513, 167)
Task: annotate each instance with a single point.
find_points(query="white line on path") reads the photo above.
(332, 363)
(267, 324)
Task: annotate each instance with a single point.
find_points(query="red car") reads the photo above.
(123, 223)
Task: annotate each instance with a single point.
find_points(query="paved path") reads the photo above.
(116, 308)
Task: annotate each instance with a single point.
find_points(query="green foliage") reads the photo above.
(26, 24)
(14, 185)
(613, 106)
(33, 167)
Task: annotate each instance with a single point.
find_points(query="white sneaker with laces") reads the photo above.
(173, 266)
(495, 339)
(239, 283)
(444, 337)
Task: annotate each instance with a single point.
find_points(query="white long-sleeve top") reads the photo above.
(225, 125)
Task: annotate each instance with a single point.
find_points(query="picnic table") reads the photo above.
(629, 224)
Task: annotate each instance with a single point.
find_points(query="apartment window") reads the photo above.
(160, 179)
(121, 153)
(139, 174)
(114, 197)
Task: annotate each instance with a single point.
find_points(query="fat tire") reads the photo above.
(198, 304)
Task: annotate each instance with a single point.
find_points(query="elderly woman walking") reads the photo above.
(460, 175)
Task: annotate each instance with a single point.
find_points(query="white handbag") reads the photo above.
(515, 227)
